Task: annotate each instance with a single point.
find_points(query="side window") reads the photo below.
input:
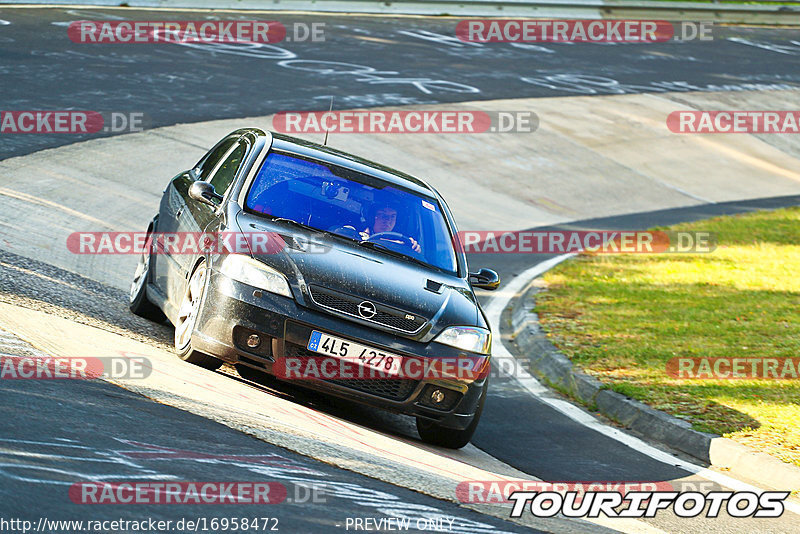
(222, 179)
(207, 164)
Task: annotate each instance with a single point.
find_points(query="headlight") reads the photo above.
(469, 338)
(254, 273)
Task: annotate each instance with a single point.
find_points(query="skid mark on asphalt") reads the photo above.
(46, 467)
(53, 205)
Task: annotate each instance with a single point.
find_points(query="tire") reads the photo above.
(137, 298)
(187, 318)
(451, 438)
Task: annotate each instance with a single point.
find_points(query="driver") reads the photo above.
(383, 218)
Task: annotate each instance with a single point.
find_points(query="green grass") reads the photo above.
(622, 317)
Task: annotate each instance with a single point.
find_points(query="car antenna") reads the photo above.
(325, 142)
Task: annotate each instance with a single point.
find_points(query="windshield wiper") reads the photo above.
(373, 245)
(391, 252)
(304, 226)
(298, 224)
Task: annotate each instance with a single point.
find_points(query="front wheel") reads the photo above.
(451, 438)
(137, 298)
(187, 318)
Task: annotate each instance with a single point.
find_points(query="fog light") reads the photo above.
(253, 341)
(437, 396)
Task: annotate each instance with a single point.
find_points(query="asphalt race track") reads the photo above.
(182, 425)
(156, 442)
(364, 62)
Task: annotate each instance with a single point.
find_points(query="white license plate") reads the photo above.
(380, 360)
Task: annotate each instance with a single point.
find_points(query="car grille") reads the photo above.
(396, 389)
(348, 305)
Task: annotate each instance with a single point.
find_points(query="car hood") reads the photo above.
(333, 275)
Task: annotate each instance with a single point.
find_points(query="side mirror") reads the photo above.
(485, 279)
(204, 192)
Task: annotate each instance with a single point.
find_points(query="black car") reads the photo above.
(324, 256)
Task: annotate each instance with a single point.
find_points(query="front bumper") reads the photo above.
(232, 311)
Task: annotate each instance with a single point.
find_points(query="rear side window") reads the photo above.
(206, 165)
(222, 179)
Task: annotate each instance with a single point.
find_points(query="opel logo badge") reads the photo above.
(367, 310)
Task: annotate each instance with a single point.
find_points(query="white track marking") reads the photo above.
(30, 442)
(493, 311)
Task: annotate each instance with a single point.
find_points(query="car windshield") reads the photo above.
(354, 205)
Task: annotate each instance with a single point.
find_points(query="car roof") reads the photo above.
(327, 154)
